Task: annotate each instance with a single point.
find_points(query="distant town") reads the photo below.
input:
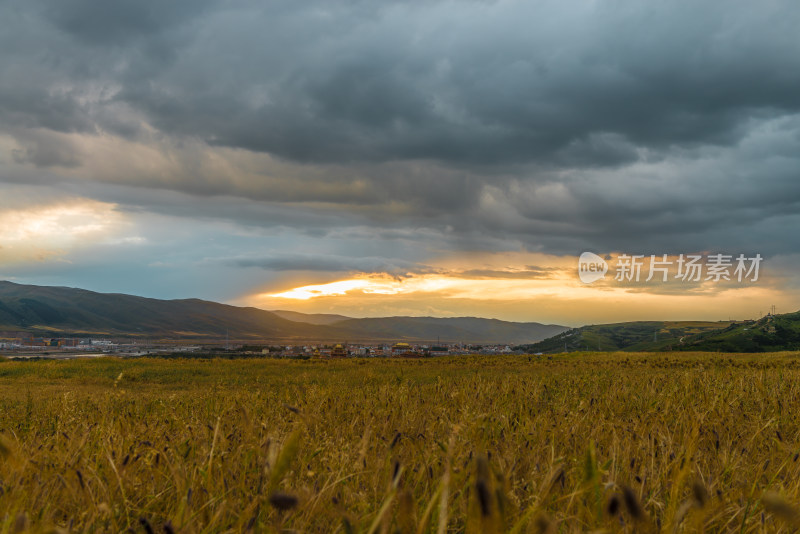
(27, 345)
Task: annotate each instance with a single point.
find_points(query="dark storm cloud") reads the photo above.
(281, 261)
(554, 126)
(44, 150)
(489, 84)
(115, 23)
(331, 263)
(529, 273)
(473, 83)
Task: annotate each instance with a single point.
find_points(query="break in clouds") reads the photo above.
(398, 129)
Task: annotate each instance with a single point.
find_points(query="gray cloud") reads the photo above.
(549, 126)
(483, 83)
(282, 261)
(41, 149)
(104, 23)
(489, 85)
(530, 273)
(334, 263)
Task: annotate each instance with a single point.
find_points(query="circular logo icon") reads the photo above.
(591, 267)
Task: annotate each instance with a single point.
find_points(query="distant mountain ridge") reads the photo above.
(56, 311)
(311, 318)
(457, 329)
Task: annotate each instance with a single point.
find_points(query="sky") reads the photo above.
(403, 157)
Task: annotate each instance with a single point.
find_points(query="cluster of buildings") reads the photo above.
(27, 344)
(397, 350)
(23, 340)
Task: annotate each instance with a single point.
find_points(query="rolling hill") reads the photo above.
(768, 334)
(62, 311)
(54, 310)
(631, 336)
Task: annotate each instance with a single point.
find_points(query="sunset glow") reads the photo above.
(361, 266)
(42, 231)
(559, 297)
(401, 158)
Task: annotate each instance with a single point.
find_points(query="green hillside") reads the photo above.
(768, 334)
(631, 336)
(54, 310)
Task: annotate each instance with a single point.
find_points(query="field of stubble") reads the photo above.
(569, 443)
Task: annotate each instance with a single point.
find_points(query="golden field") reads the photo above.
(614, 442)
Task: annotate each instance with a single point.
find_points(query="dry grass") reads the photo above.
(614, 442)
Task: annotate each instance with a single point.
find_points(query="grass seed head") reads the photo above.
(612, 508)
(282, 501)
(21, 523)
(5, 447)
(699, 494)
(781, 508)
(632, 503)
(484, 498)
(146, 525)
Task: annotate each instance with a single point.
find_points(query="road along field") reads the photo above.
(568, 443)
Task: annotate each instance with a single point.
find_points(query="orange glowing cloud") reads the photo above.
(41, 232)
(522, 287)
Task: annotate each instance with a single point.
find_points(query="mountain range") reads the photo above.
(68, 312)
(62, 311)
